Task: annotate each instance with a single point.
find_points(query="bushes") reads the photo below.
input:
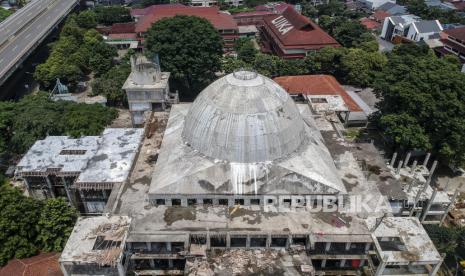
(28, 226)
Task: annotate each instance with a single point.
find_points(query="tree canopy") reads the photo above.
(189, 47)
(112, 14)
(423, 102)
(77, 52)
(4, 14)
(36, 116)
(28, 226)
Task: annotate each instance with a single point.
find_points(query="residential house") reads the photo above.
(441, 5)
(374, 4)
(454, 43)
(392, 8)
(410, 27)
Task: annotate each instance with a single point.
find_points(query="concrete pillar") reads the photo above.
(247, 242)
(433, 168)
(348, 246)
(49, 185)
(407, 159)
(428, 206)
(346, 119)
(327, 246)
(308, 243)
(417, 197)
(28, 187)
(343, 262)
(63, 270)
(362, 263)
(399, 167)
(451, 204)
(228, 240)
(231, 202)
(246, 201)
(393, 159)
(410, 185)
(149, 246)
(323, 263)
(208, 239)
(121, 270)
(436, 267)
(367, 246)
(289, 241)
(168, 202)
(380, 269)
(215, 202)
(425, 162)
(184, 202)
(68, 193)
(268, 240)
(170, 263)
(414, 166)
(83, 200)
(152, 263)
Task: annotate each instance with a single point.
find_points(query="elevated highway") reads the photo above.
(24, 30)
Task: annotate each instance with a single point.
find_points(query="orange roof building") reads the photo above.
(43, 264)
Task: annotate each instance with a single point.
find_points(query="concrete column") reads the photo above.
(343, 262)
(451, 204)
(83, 200)
(381, 268)
(327, 246)
(170, 263)
(428, 206)
(289, 241)
(268, 240)
(246, 201)
(308, 244)
(323, 263)
(149, 246)
(50, 187)
(152, 263)
(228, 240)
(215, 202)
(346, 119)
(407, 159)
(362, 262)
(63, 269)
(393, 159)
(425, 162)
(208, 239)
(414, 166)
(367, 246)
(168, 202)
(436, 267)
(410, 185)
(184, 202)
(433, 168)
(68, 193)
(231, 202)
(247, 242)
(121, 270)
(348, 246)
(28, 187)
(399, 166)
(417, 197)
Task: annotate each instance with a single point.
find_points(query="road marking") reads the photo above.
(14, 48)
(27, 35)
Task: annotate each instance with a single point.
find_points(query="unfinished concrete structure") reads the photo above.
(235, 174)
(147, 88)
(84, 170)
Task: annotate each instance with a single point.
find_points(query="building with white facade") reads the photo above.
(411, 28)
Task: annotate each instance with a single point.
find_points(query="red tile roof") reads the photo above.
(149, 9)
(221, 21)
(252, 13)
(380, 15)
(292, 30)
(457, 33)
(370, 24)
(317, 85)
(131, 36)
(43, 264)
(121, 28)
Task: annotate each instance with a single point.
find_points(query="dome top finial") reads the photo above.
(244, 74)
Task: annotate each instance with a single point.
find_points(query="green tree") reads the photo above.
(189, 47)
(112, 14)
(86, 19)
(18, 219)
(359, 67)
(430, 90)
(4, 14)
(229, 64)
(55, 224)
(246, 50)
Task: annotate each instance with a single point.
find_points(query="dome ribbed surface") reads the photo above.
(244, 117)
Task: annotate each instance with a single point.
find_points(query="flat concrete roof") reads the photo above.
(80, 245)
(107, 158)
(418, 245)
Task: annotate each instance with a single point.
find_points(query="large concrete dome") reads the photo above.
(244, 117)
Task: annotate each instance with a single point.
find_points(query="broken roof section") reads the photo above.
(97, 240)
(403, 240)
(96, 159)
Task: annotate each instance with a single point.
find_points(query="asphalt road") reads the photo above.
(26, 27)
